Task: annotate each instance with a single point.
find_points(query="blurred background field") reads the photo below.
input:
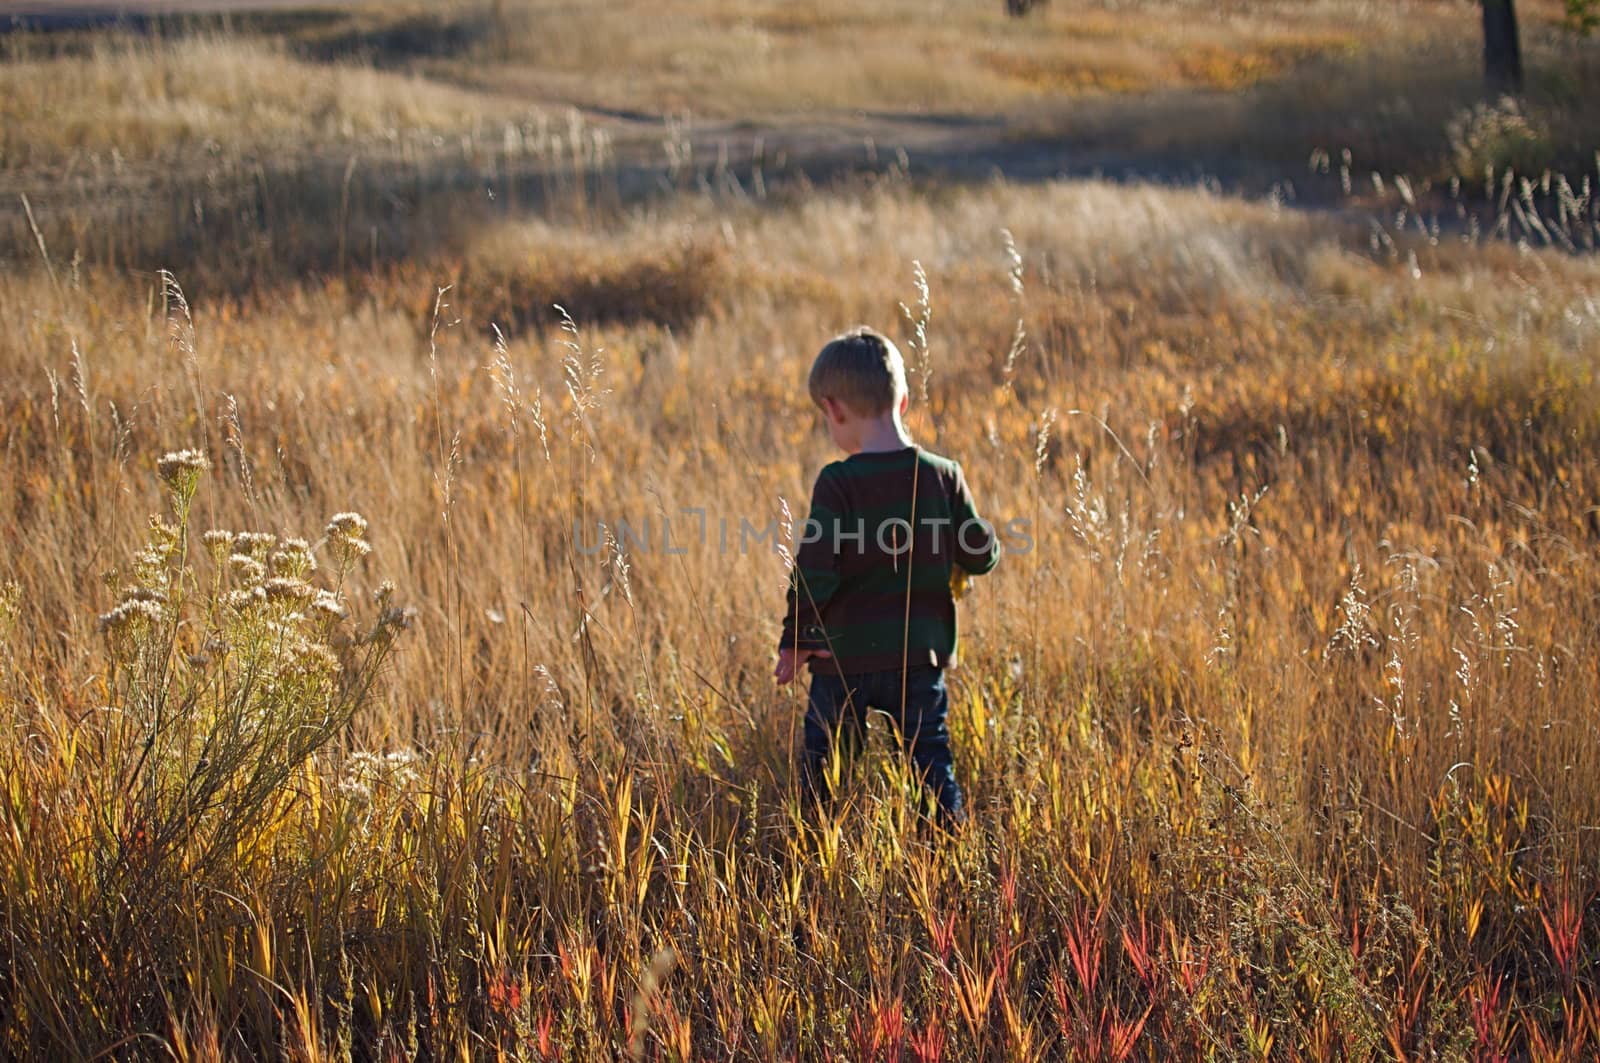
(1281, 736)
(259, 145)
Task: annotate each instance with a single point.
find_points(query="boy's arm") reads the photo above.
(977, 547)
(815, 577)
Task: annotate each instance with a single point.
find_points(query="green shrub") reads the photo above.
(1498, 137)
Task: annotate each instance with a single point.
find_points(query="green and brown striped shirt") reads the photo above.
(856, 589)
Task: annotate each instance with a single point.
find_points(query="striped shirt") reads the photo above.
(857, 590)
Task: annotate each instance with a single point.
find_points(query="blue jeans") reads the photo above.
(837, 711)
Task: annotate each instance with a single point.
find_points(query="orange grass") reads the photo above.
(1280, 740)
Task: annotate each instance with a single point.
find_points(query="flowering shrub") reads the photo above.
(222, 689)
(223, 681)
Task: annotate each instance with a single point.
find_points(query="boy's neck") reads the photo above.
(881, 435)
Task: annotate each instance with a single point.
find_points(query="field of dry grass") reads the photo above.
(747, 61)
(132, 104)
(1279, 731)
(309, 77)
(263, 147)
(1280, 737)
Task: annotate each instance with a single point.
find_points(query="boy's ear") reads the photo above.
(905, 403)
(831, 408)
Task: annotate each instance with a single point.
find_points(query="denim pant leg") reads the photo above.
(835, 714)
(926, 736)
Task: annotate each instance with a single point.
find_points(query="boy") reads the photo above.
(870, 603)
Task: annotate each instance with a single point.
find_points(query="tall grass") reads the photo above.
(1279, 738)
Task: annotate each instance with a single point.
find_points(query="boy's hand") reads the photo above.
(790, 660)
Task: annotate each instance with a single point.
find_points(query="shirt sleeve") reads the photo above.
(815, 577)
(977, 547)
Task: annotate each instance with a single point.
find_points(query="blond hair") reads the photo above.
(862, 370)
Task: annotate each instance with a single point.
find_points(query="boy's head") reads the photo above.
(862, 373)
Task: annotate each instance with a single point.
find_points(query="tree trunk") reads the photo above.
(1502, 54)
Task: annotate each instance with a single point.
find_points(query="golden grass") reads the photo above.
(1280, 740)
(187, 102)
(778, 61)
(96, 103)
(296, 145)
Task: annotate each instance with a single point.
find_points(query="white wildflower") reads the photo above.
(281, 589)
(181, 469)
(220, 543)
(131, 616)
(347, 526)
(247, 600)
(294, 559)
(355, 791)
(142, 594)
(255, 544)
(327, 606)
(246, 569)
(314, 660)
